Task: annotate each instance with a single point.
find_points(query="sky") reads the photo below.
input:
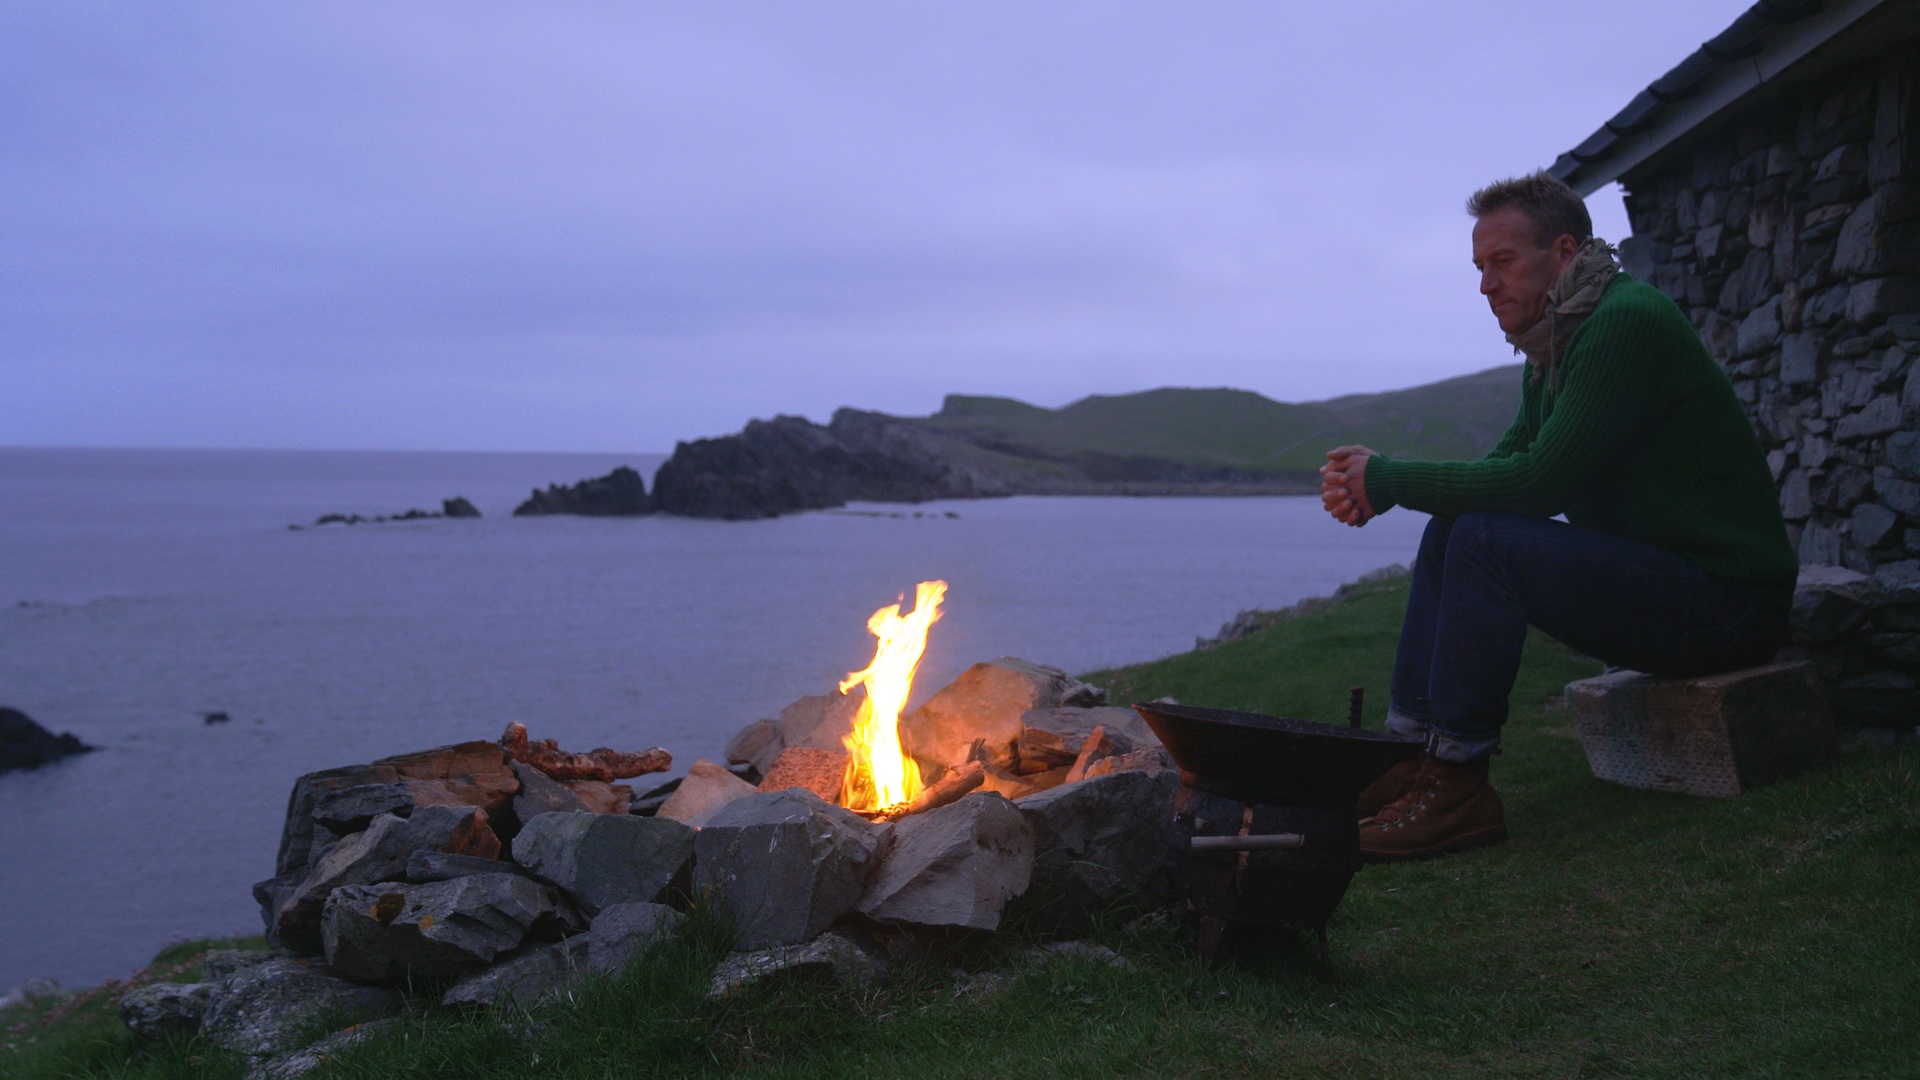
(612, 226)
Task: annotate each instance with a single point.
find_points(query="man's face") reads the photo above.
(1515, 271)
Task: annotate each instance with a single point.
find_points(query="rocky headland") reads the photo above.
(1160, 442)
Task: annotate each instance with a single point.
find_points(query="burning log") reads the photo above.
(958, 783)
(599, 764)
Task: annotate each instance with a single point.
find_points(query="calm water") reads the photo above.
(141, 589)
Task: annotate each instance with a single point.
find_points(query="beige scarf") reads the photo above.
(1572, 298)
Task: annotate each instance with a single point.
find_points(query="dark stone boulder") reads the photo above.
(526, 978)
(26, 745)
(542, 794)
(458, 507)
(783, 865)
(392, 930)
(1098, 842)
(464, 774)
(605, 859)
(164, 1012)
(622, 932)
(957, 865)
(270, 1007)
(379, 854)
(620, 493)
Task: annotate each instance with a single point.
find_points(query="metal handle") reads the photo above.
(1269, 842)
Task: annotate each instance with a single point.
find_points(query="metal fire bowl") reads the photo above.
(1273, 759)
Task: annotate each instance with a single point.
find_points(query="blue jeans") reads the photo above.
(1482, 578)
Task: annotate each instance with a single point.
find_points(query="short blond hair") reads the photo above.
(1555, 209)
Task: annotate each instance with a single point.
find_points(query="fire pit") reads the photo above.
(1263, 830)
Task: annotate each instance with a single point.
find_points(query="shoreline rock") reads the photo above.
(620, 493)
(24, 744)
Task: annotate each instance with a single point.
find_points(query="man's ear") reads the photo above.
(1564, 249)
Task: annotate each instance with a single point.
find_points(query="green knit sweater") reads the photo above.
(1636, 434)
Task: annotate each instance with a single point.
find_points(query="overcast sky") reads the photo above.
(575, 226)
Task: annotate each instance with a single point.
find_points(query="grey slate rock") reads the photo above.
(378, 854)
(819, 721)
(839, 954)
(1098, 841)
(391, 930)
(542, 794)
(426, 866)
(161, 1012)
(527, 978)
(352, 809)
(603, 859)
(623, 931)
(957, 865)
(1830, 602)
(757, 744)
(783, 865)
(265, 1009)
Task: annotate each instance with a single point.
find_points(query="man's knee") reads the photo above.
(1483, 528)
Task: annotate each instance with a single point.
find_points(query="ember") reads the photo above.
(879, 774)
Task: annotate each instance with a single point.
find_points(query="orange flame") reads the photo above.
(879, 774)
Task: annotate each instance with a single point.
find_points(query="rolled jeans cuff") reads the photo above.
(1405, 723)
(1460, 749)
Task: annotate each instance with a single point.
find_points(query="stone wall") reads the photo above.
(1791, 236)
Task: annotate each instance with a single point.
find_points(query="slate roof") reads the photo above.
(1771, 39)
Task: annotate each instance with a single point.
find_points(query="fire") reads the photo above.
(880, 775)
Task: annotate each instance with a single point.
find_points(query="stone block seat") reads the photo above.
(1718, 735)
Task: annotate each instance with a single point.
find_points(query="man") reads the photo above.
(1672, 560)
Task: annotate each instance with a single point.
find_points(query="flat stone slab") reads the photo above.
(270, 1007)
(603, 859)
(393, 930)
(1717, 735)
(783, 865)
(831, 952)
(957, 865)
(535, 974)
(624, 931)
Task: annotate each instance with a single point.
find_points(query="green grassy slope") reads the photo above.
(1619, 933)
(1457, 418)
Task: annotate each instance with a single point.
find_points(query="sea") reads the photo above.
(147, 594)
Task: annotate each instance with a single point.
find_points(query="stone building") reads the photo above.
(1773, 188)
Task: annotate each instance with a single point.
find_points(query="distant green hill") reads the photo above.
(1239, 429)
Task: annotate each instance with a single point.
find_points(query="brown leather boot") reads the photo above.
(1446, 807)
(1388, 786)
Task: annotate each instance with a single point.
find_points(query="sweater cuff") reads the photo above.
(1379, 484)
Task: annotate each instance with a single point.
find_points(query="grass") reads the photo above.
(1454, 419)
(1620, 933)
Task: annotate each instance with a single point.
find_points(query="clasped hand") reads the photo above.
(1343, 485)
